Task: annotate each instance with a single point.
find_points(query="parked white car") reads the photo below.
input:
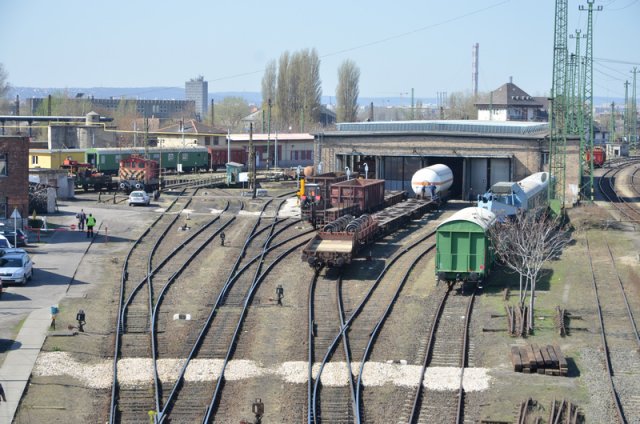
(139, 197)
(4, 243)
(15, 266)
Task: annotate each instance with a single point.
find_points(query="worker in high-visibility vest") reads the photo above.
(91, 222)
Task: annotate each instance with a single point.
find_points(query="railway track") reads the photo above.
(619, 333)
(447, 347)
(364, 312)
(140, 313)
(134, 315)
(219, 333)
(628, 212)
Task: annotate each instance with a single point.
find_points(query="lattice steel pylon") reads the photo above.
(588, 89)
(575, 123)
(558, 115)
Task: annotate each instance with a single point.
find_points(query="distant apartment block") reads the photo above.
(197, 89)
(162, 109)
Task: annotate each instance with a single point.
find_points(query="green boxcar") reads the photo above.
(463, 247)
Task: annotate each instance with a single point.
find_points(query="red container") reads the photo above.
(367, 194)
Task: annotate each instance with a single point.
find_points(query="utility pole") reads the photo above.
(252, 163)
(213, 115)
(588, 87)
(627, 114)
(557, 121)
(634, 112)
(413, 107)
(269, 134)
(612, 123)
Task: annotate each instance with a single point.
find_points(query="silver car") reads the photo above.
(139, 197)
(15, 266)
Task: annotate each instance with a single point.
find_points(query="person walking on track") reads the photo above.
(91, 222)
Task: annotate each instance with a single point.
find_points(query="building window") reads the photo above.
(3, 164)
(170, 157)
(34, 160)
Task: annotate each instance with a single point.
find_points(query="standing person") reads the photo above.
(91, 222)
(82, 218)
(4, 399)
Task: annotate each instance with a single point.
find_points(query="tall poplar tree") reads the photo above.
(347, 92)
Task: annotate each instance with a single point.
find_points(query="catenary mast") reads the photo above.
(557, 121)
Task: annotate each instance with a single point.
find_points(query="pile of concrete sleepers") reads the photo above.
(532, 358)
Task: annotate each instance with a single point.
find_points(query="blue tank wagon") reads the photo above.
(463, 246)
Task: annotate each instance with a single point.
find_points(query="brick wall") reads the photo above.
(14, 187)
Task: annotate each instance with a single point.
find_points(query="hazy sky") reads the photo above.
(424, 44)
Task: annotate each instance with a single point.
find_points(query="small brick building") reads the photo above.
(14, 176)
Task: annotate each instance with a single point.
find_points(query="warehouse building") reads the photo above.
(480, 153)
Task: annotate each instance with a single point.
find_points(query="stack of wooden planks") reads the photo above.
(532, 358)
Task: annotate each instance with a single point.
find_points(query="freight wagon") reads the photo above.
(339, 242)
(315, 201)
(463, 246)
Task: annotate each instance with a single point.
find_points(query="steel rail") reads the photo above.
(347, 350)
(615, 199)
(626, 300)
(216, 394)
(120, 323)
(464, 357)
(310, 339)
(355, 313)
(427, 357)
(233, 275)
(154, 356)
(605, 345)
(380, 323)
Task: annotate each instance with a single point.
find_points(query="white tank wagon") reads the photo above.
(432, 181)
(505, 199)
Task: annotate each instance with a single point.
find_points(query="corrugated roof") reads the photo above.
(479, 216)
(466, 126)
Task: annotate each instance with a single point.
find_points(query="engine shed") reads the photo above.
(480, 153)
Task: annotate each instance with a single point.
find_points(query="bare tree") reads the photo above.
(282, 90)
(4, 86)
(462, 105)
(230, 111)
(524, 244)
(347, 92)
(298, 90)
(269, 82)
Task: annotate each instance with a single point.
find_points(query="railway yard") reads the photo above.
(241, 323)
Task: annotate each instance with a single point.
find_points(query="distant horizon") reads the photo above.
(252, 97)
(421, 45)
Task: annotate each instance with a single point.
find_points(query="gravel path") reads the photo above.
(137, 371)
